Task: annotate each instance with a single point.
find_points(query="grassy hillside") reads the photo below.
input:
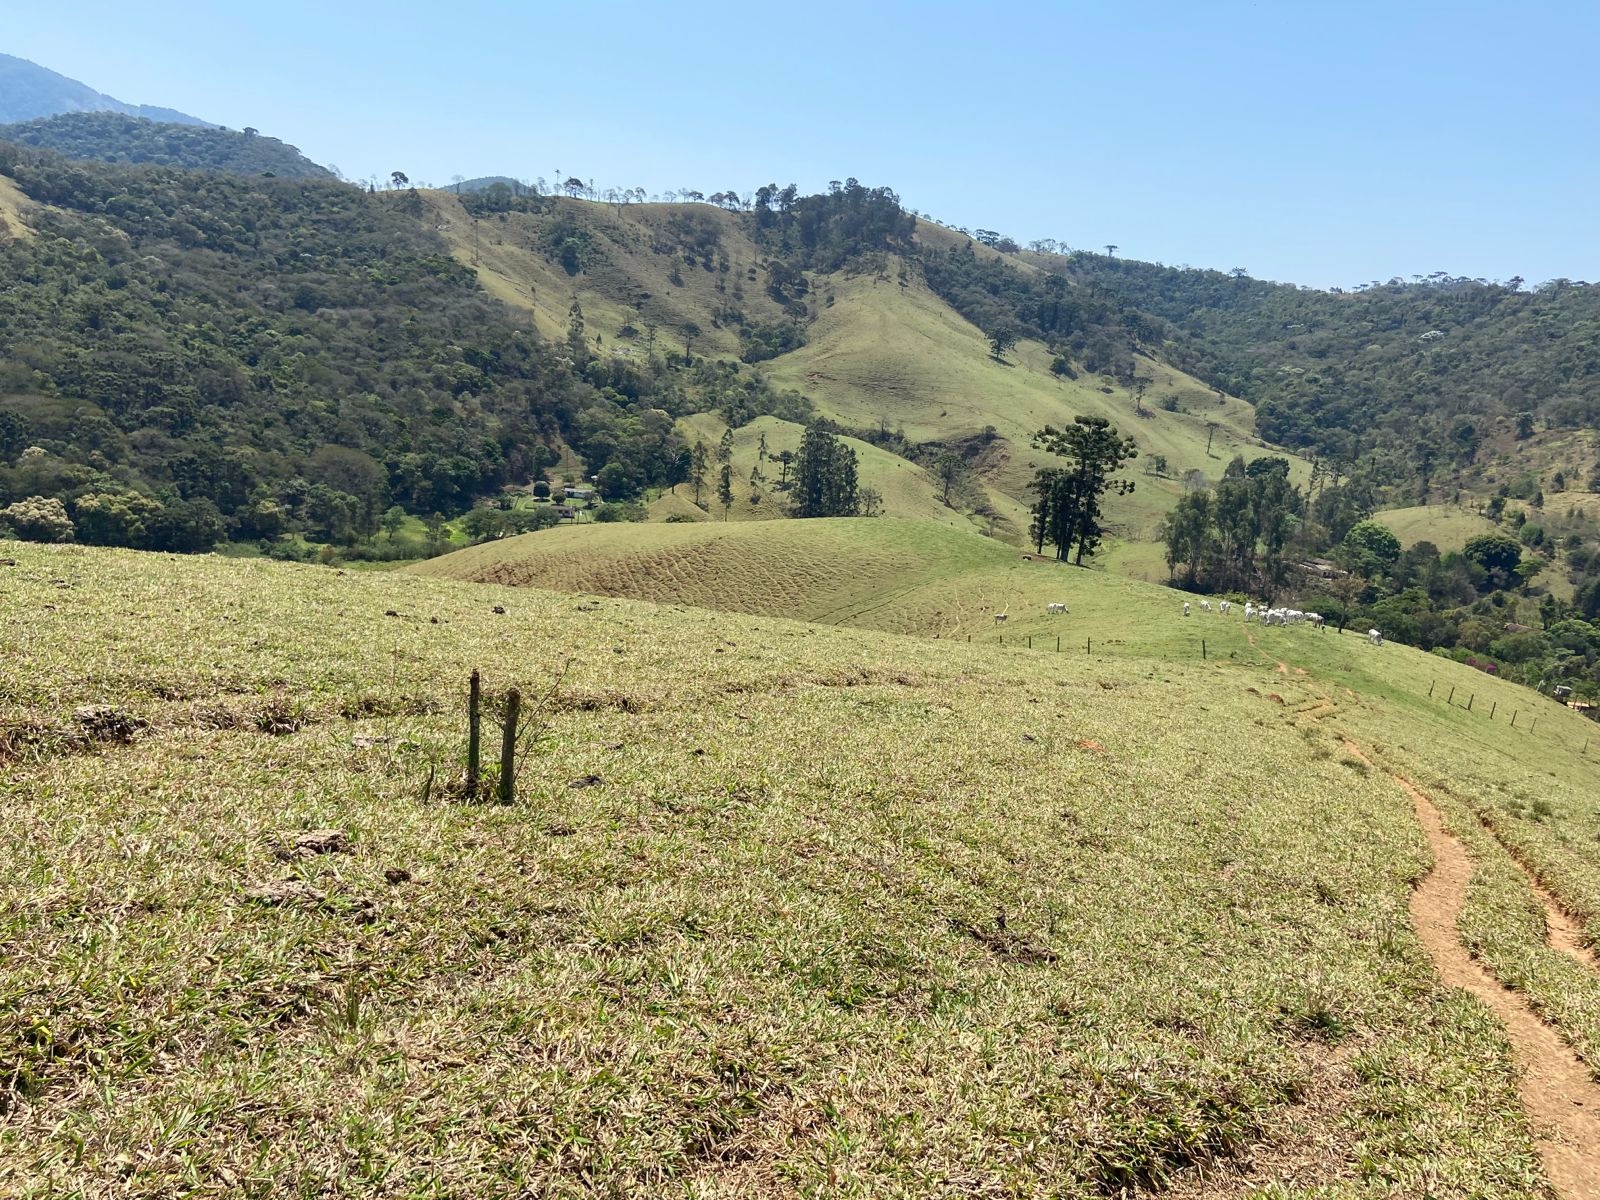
(903, 357)
(879, 351)
(878, 572)
(1447, 526)
(624, 258)
(765, 885)
(908, 490)
(13, 218)
(1078, 924)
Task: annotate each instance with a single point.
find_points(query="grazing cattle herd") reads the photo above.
(1266, 614)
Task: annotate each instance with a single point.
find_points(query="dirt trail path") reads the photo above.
(1561, 1099)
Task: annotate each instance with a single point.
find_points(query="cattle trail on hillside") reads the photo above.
(1562, 1100)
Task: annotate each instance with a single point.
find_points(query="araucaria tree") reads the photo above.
(825, 475)
(697, 469)
(1067, 512)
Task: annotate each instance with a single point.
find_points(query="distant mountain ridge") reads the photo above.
(117, 138)
(29, 91)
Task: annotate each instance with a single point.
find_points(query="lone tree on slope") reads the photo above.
(1067, 512)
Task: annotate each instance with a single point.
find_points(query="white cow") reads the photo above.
(1224, 606)
(1186, 608)
(1315, 618)
(1375, 637)
(1205, 606)
(1055, 608)
(1249, 611)
(1000, 618)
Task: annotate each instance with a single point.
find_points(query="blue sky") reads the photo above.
(1328, 143)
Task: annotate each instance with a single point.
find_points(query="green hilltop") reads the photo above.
(111, 137)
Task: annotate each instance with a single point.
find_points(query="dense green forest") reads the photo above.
(187, 356)
(1256, 535)
(1417, 372)
(118, 138)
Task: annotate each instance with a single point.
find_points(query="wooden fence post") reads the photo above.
(508, 748)
(474, 734)
(1431, 682)
(1470, 699)
(1202, 649)
(1452, 694)
(1493, 704)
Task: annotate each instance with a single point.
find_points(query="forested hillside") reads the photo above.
(191, 355)
(302, 355)
(117, 138)
(1420, 373)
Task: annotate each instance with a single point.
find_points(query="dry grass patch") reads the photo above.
(888, 917)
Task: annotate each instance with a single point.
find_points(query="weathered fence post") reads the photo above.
(508, 748)
(1431, 682)
(474, 734)
(1534, 726)
(1058, 643)
(1202, 649)
(1514, 713)
(1470, 699)
(1493, 704)
(1452, 694)
(1030, 641)
(1088, 645)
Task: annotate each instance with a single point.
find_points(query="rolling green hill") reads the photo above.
(881, 350)
(1448, 527)
(1170, 920)
(110, 137)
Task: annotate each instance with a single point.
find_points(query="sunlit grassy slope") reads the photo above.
(12, 206)
(876, 353)
(902, 356)
(627, 275)
(1447, 526)
(781, 910)
(907, 489)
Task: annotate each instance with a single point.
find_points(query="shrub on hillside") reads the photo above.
(37, 519)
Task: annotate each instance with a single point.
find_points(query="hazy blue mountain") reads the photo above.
(28, 91)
